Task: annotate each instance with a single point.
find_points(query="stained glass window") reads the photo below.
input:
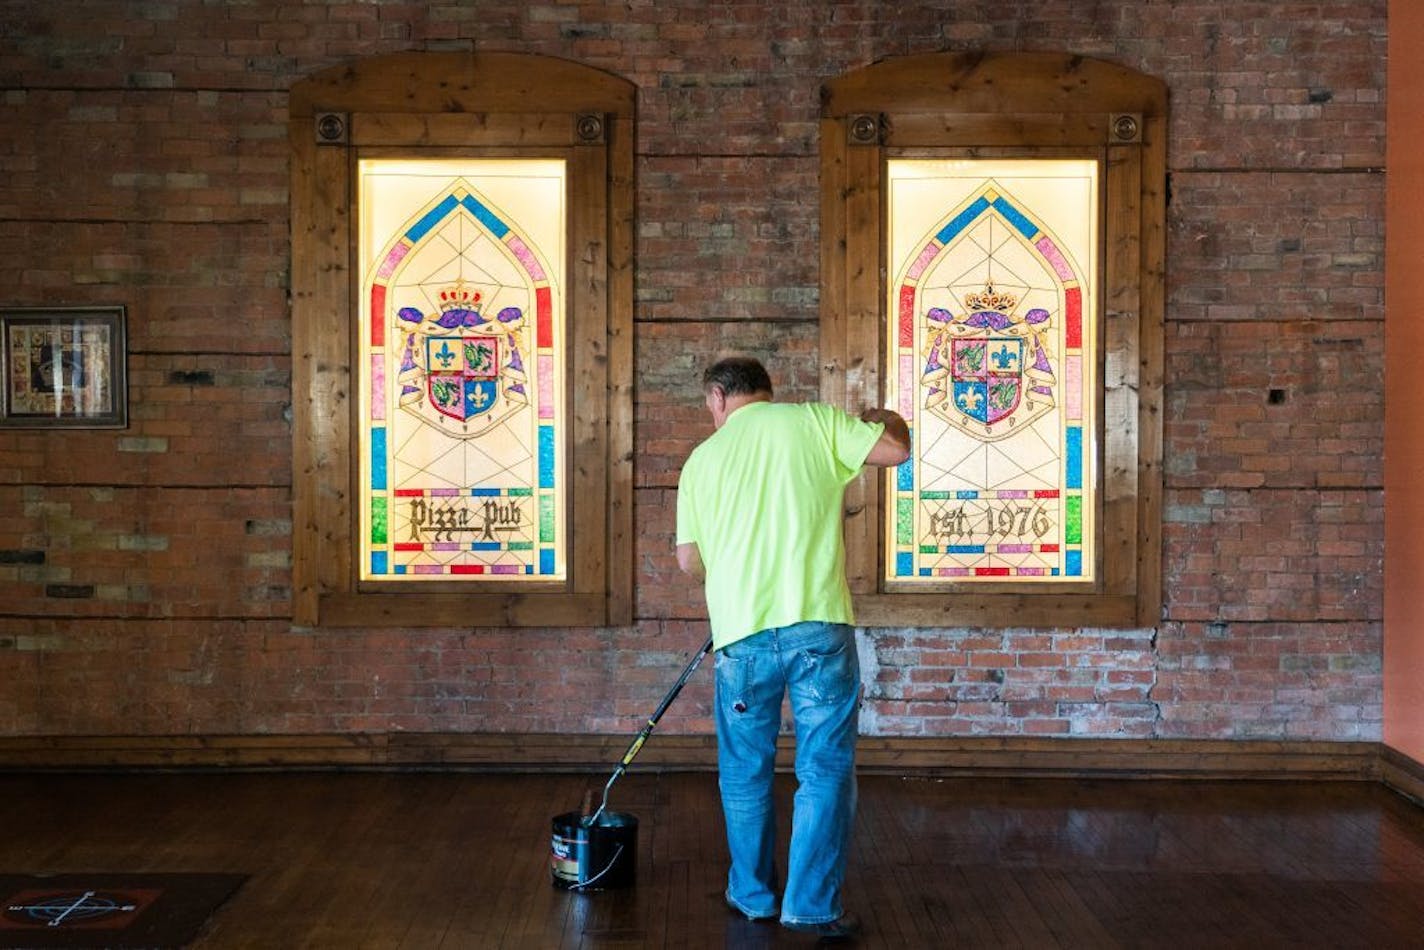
(461, 370)
(992, 359)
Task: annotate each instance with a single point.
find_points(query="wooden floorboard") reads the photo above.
(421, 860)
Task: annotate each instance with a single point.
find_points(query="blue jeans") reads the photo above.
(817, 664)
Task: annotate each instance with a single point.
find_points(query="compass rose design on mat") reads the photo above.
(75, 910)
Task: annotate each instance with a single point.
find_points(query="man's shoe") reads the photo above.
(754, 918)
(844, 927)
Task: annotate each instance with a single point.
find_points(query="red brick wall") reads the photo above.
(145, 574)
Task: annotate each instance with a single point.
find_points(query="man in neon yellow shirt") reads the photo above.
(759, 511)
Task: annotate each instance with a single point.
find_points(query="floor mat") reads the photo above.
(127, 911)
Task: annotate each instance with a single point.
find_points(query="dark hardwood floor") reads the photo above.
(441, 860)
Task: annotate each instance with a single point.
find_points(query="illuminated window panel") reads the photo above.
(461, 371)
(992, 360)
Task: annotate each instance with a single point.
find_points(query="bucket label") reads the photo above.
(564, 859)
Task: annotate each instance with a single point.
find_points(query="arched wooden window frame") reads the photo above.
(441, 105)
(1015, 105)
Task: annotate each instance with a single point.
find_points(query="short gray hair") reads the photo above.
(737, 375)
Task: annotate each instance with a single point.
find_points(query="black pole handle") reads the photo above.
(681, 682)
(663, 706)
(647, 730)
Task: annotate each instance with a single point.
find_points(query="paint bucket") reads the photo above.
(595, 857)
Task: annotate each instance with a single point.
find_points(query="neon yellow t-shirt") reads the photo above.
(762, 500)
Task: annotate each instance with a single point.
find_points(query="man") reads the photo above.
(759, 511)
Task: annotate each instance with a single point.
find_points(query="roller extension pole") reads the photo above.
(648, 729)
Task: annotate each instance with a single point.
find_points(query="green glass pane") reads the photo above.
(1073, 530)
(904, 520)
(546, 518)
(378, 521)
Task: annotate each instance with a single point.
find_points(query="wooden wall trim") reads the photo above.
(1021, 105)
(979, 82)
(457, 81)
(1402, 773)
(473, 105)
(937, 757)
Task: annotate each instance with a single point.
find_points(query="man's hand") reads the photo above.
(689, 558)
(894, 444)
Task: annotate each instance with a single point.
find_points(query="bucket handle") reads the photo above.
(611, 861)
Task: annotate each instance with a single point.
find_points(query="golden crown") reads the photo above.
(991, 299)
(460, 297)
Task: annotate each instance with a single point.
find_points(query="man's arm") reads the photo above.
(893, 446)
(689, 558)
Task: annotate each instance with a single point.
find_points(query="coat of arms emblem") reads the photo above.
(459, 366)
(987, 372)
(461, 374)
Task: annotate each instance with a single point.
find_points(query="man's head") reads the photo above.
(737, 376)
(731, 383)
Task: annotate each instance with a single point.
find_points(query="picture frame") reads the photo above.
(63, 368)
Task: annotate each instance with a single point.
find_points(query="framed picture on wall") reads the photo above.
(64, 368)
